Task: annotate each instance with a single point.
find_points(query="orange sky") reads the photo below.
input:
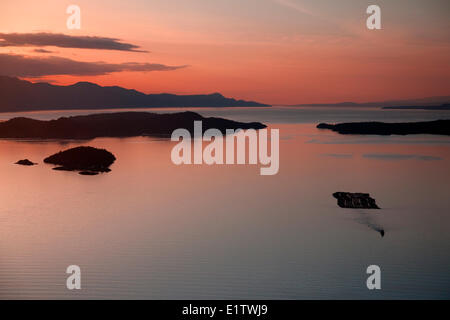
(272, 51)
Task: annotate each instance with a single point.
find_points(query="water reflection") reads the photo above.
(153, 230)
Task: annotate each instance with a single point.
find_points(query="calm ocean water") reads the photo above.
(153, 230)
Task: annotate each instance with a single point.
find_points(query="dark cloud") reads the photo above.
(338, 155)
(27, 66)
(64, 41)
(42, 51)
(393, 156)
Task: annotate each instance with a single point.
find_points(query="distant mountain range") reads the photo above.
(422, 102)
(22, 95)
(441, 107)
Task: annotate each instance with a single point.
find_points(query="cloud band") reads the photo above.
(64, 41)
(26, 66)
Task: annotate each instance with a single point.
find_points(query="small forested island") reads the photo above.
(355, 200)
(441, 127)
(87, 160)
(120, 124)
(25, 162)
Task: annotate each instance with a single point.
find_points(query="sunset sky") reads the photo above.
(271, 51)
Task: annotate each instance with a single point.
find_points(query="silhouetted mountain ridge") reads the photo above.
(420, 102)
(22, 95)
